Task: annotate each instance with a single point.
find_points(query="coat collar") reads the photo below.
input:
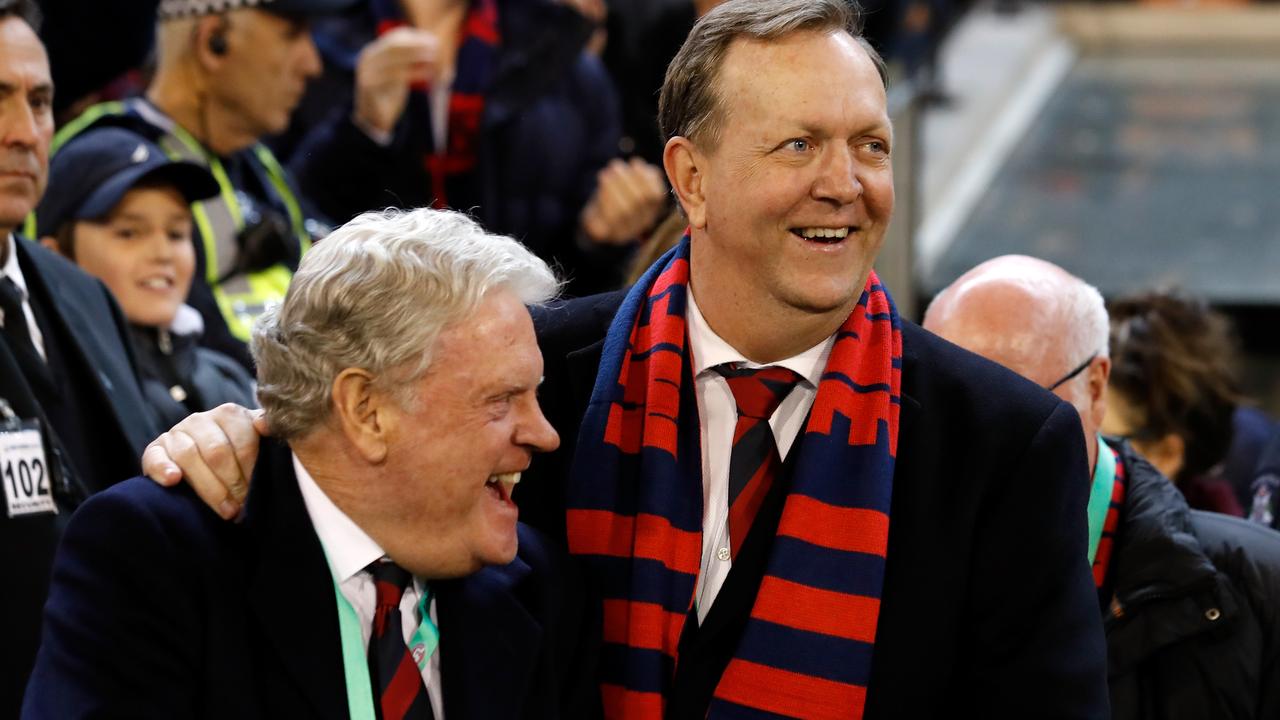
(1166, 588)
(292, 565)
(489, 641)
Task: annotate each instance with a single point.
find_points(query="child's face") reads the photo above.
(143, 252)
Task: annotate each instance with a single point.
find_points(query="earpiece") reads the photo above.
(218, 44)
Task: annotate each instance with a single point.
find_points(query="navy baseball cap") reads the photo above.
(170, 9)
(90, 175)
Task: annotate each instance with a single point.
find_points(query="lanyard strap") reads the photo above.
(1104, 478)
(355, 660)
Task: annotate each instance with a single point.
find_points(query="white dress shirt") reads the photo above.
(350, 550)
(719, 414)
(13, 271)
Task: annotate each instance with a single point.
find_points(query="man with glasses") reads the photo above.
(1182, 592)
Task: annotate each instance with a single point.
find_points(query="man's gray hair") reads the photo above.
(690, 105)
(1085, 316)
(375, 295)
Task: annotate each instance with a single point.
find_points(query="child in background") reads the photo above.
(121, 210)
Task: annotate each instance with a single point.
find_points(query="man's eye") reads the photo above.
(878, 147)
(126, 233)
(798, 145)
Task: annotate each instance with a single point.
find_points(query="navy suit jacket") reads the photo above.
(85, 314)
(988, 607)
(160, 609)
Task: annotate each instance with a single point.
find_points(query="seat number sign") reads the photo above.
(24, 472)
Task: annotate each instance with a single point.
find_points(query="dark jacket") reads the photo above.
(160, 609)
(988, 607)
(1193, 632)
(103, 387)
(550, 124)
(179, 377)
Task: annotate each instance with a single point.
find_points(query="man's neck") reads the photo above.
(764, 334)
(201, 118)
(6, 239)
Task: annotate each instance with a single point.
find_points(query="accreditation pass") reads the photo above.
(24, 470)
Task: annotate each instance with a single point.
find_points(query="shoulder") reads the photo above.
(567, 325)
(1241, 549)
(139, 507)
(948, 381)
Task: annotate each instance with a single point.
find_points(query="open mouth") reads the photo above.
(157, 283)
(502, 484)
(823, 235)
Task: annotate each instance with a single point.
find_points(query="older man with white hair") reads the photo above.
(378, 568)
(1186, 596)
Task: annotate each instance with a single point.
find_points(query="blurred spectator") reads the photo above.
(488, 106)
(71, 409)
(1188, 598)
(1174, 391)
(120, 210)
(227, 74)
(92, 44)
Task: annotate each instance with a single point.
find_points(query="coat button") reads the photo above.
(1212, 614)
(723, 554)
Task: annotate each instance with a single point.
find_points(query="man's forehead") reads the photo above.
(22, 56)
(791, 68)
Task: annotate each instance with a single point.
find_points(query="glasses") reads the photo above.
(1079, 369)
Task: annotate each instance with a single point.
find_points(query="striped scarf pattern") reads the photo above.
(1102, 560)
(451, 168)
(635, 514)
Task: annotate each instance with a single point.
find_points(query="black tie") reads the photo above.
(17, 334)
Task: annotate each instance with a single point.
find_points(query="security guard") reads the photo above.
(228, 73)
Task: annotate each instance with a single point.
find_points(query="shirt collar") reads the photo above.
(710, 350)
(11, 268)
(348, 548)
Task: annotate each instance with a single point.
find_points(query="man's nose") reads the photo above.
(19, 125)
(310, 64)
(837, 180)
(536, 432)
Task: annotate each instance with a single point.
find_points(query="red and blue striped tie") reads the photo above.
(393, 675)
(754, 462)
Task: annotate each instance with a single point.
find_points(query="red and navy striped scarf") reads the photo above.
(1102, 558)
(451, 170)
(635, 514)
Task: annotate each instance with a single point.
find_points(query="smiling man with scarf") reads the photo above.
(794, 503)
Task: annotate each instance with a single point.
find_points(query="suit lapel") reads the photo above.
(488, 644)
(291, 590)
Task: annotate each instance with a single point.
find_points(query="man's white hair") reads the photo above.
(1084, 314)
(375, 294)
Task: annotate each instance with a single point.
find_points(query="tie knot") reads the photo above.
(758, 391)
(10, 295)
(390, 580)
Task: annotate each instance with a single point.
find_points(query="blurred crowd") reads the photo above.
(195, 151)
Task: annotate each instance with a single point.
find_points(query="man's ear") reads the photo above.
(209, 41)
(365, 415)
(1099, 376)
(684, 163)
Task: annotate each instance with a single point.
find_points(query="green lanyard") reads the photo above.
(1104, 479)
(355, 661)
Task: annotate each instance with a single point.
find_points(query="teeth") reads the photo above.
(819, 232)
(156, 283)
(508, 480)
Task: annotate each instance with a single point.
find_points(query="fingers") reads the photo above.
(629, 197)
(386, 69)
(213, 451)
